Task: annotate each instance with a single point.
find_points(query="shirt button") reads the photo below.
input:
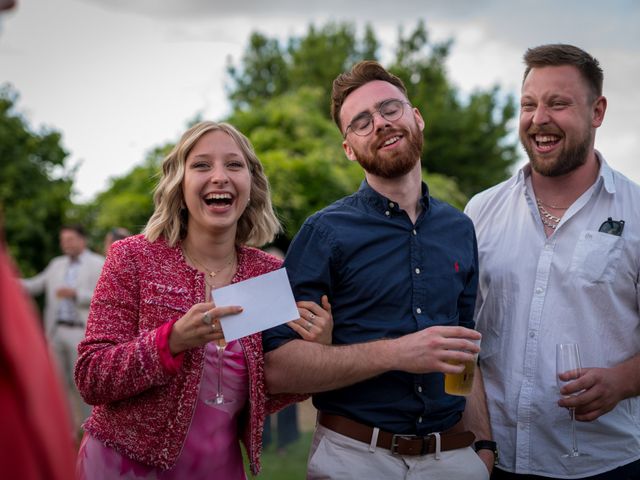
(419, 419)
(391, 204)
(539, 290)
(387, 213)
(419, 389)
(418, 310)
(414, 232)
(418, 271)
(532, 334)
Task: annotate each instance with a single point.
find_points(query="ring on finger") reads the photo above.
(206, 318)
(309, 325)
(311, 317)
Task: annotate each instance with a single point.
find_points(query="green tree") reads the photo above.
(128, 200)
(35, 186)
(301, 151)
(268, 69)
(464, 140)
(264, 73)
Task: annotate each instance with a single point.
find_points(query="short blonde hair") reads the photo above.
(258, 224)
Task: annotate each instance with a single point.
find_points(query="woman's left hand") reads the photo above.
(315, 323)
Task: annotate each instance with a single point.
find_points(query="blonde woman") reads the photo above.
(149, 361)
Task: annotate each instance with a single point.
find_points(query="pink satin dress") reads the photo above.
(211, 450)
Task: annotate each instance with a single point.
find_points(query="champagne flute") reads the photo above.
(220, 344)
(568, 365)
(219, 398)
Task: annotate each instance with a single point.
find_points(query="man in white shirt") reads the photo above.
(68, 283)
(559, 250)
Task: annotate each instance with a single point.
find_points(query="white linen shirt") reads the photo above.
(577, 286)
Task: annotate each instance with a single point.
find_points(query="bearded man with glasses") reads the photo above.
(400, 269)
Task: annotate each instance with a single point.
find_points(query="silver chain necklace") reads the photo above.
(548, 219)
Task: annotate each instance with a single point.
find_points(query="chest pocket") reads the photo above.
(596, 257)
(161, 303)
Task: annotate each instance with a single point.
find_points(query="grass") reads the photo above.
(291, 465)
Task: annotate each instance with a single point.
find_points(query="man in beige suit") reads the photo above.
(68, 283)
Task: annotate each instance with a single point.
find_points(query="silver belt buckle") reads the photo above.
(394, 441)
(424, 447)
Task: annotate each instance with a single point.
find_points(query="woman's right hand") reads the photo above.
(199, 326)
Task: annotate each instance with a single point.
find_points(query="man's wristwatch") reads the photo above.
(487, 445)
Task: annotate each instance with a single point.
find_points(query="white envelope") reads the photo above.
(267, 301)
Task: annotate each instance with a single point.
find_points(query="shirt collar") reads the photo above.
(80, 258)
(382, 203)
(606, 173)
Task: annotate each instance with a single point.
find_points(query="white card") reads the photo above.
(267, 301)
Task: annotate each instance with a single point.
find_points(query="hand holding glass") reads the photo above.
(568, 365)
(462, 383)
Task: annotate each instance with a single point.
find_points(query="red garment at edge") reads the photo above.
(35, 428)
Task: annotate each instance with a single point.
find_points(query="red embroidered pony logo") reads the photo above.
(456, 267)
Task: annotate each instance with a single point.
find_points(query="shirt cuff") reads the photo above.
(169, 362)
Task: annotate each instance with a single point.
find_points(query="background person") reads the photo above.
(113, 235)
(554, 270)
(149, 360)
(400, 268)
(68, 283)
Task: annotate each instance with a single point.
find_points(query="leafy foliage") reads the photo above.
(463, 140)
(35, 187)
(128, 201)
(301, 153)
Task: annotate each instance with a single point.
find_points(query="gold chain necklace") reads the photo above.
(555, 207)
(208, 272)
(548, 219)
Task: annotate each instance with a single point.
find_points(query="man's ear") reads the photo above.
(599, 109)
(419, 119)
(348, 151)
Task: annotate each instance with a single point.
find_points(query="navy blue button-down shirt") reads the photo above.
(386, 277)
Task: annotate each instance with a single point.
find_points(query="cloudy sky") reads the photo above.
(118, 77)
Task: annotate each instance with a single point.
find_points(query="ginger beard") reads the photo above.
(394, 163)
(571, 156)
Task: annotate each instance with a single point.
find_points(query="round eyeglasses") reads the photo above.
(362, 124)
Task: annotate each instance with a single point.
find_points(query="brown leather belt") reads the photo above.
(451, 439)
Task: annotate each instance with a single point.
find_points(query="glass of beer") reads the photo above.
(461, 383)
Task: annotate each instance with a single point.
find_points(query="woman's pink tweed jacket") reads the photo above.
(142, 410)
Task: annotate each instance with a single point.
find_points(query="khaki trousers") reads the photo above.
(336, 457)
(64, 345)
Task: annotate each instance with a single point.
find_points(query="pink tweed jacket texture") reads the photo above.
(142, 410)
